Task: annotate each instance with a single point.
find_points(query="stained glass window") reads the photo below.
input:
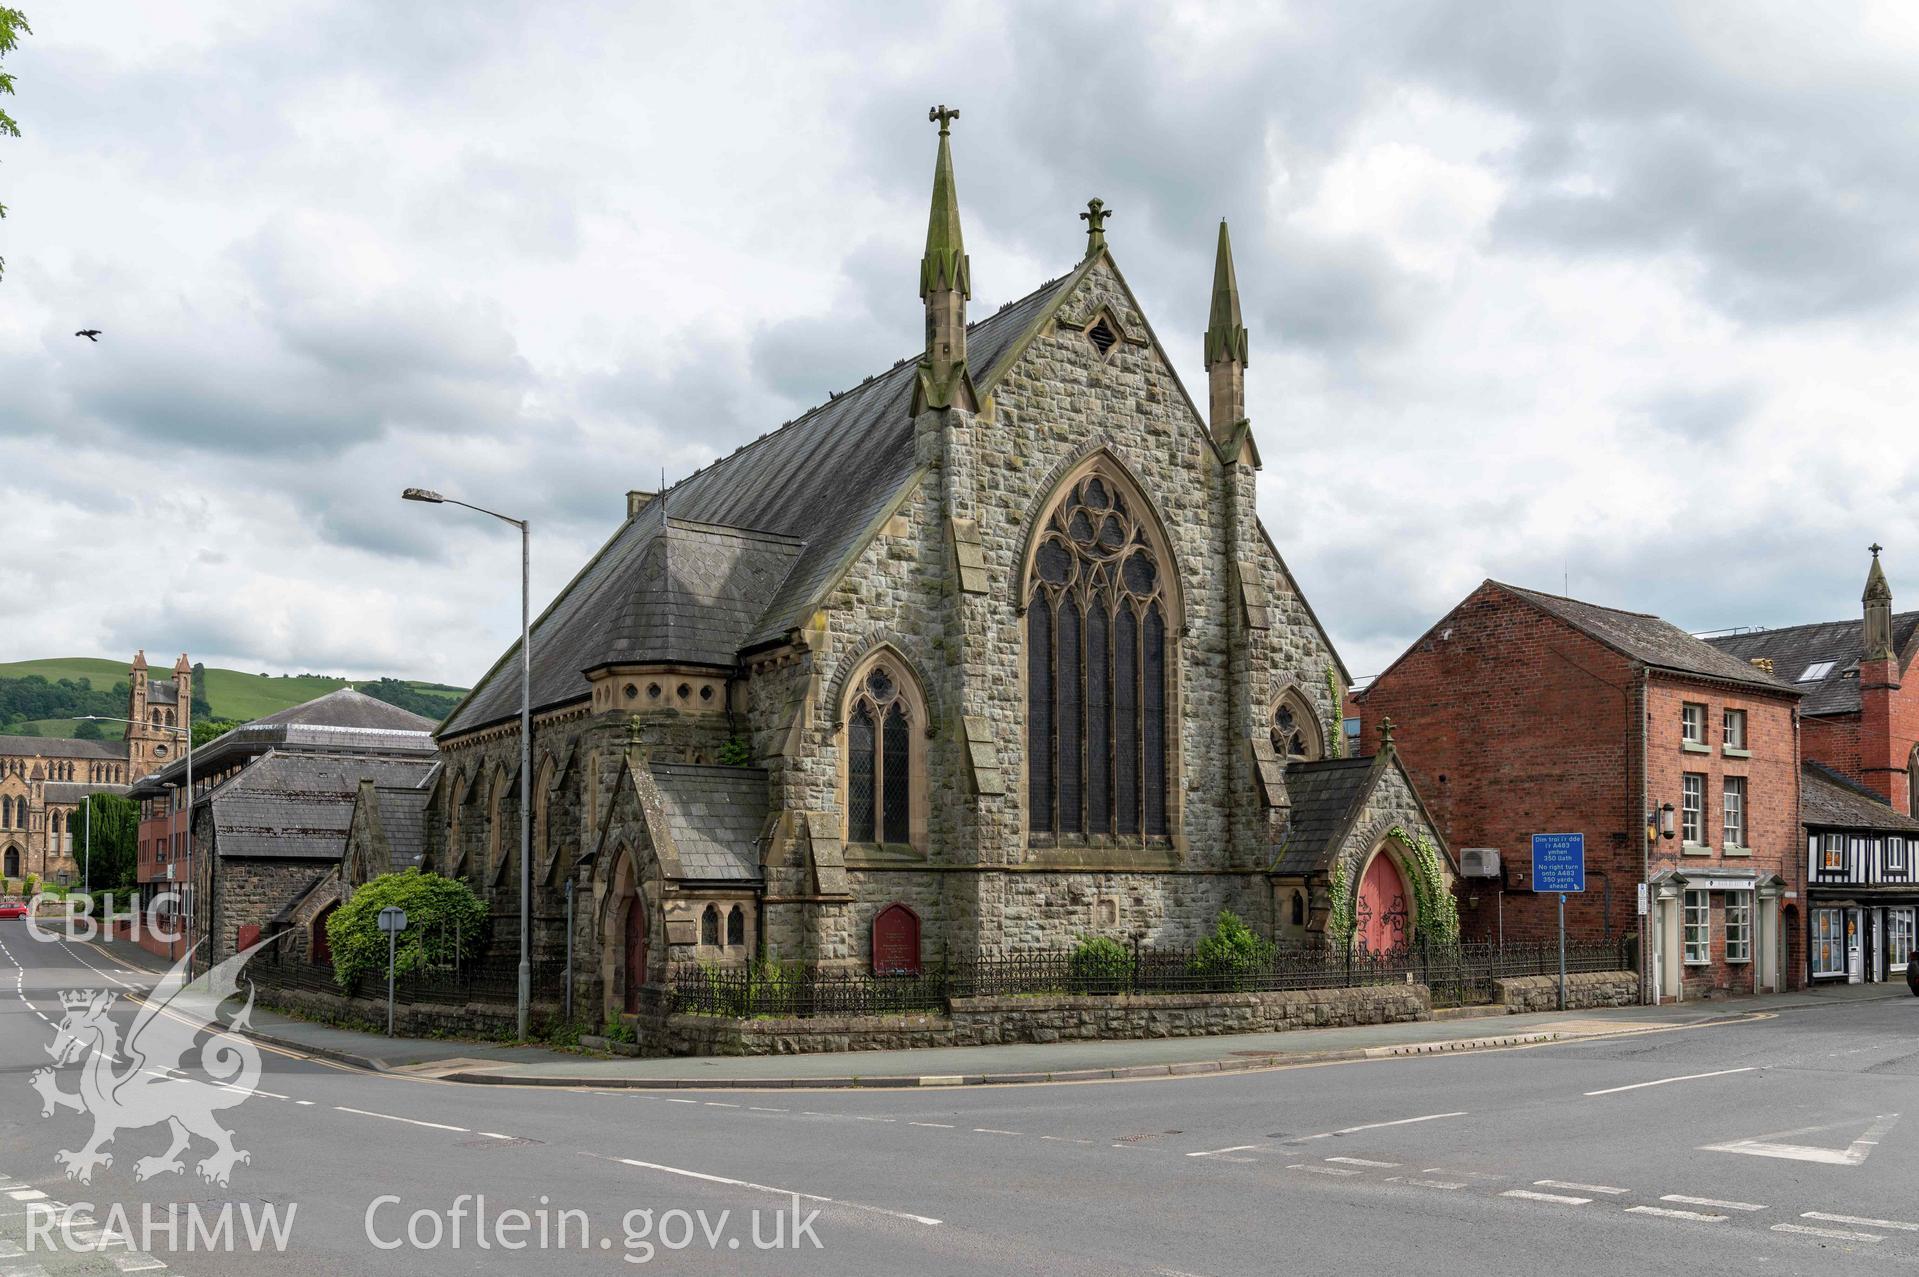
(1293, 733)
(879, 760)
(1097, 694)
(859, 775)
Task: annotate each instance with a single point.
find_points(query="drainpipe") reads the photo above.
(1645, 848)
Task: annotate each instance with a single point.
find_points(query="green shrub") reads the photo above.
(445, 922)
(1233, 951)
(1099, 963)
(33, 886)
(616, 1030)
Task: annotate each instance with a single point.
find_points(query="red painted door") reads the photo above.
(635, 951)
(1381, 913)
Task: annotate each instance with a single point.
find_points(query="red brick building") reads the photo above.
(1860, 716)
(1523, 713)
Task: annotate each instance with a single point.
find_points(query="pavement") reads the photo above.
(1739, 1143)
(482, 1063)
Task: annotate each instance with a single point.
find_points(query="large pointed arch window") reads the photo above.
(1097, 700)
(883, 726)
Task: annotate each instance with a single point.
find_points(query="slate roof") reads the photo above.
(822, 481)
(1830, 800)
(697, 594)
(716, 816)
(55, 747)
(1795, 647)
(346, 707)
(76, 791)
(293, 806)
(403, 820)
(340, 722)
(1324, 795)
(1646, 638)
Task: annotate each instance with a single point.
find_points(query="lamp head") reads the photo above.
(422, 494)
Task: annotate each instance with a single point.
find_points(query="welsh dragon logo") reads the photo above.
(155, 1087)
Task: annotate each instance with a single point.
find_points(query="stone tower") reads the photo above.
(1882, 749)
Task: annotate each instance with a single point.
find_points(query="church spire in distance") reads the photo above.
(946, 282)
(1225, 346)
(1878, 601)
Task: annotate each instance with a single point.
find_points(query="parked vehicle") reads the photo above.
(1912, 978)
(13, 908)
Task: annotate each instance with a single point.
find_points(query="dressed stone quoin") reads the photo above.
(988, 653)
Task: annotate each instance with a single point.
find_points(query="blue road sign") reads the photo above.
(1559, 862)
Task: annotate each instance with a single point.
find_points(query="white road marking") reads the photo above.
(1057, 1139)
(1582, 1188)
(767, 1188)
(1361, 1161)
(1683, 1200)
(26, 1194)
(1215, 1152)
(942, 1126)
(716, 1104)
(1424, 1183)
(1442, 1170)
(1836, 1234)
(1665, 1213)
(495, 1135)
(1374, 1126)
(988, 1130)
(671, 1099)
(1853, 1154)
(1527, 1195)
(304, 1103)
(1861, 1220)
(410, 1121)
(1321, 1170)
(1688, 1077)
(755, 1108)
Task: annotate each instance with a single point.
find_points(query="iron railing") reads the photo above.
(1456, 975)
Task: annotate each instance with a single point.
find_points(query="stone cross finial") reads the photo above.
(944, 115)
(1386, 733)
(1095, 218)
(635, 732)
(1875, 547)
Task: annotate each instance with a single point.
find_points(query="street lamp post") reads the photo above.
(526, 740)
(193, 891)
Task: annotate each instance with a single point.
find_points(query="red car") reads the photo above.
(13, 909)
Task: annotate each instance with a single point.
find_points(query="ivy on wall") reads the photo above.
(1438, 910)
(1339, 918)
(1336, 731)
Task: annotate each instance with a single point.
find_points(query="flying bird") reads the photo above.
(91, 334)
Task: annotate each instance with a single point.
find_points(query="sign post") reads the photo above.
(1559, 865)
(392, 920)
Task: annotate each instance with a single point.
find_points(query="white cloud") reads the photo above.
(1621, 293)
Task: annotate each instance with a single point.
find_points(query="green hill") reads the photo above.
(40, 697)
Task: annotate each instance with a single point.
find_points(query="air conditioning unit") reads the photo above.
(1479, 862)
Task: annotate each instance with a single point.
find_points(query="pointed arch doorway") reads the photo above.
(1382, 915)
(633, 952)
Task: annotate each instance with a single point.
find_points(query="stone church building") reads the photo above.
(44, 780)
(985, 654)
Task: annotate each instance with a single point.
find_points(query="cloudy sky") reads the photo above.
(1624, 295)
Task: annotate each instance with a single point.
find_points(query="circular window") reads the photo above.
(880, 683)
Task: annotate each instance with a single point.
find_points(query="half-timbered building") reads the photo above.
(1862, 882)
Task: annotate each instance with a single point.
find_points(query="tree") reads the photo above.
(113, 863)
(13, 24)
(89, 730)
(445, 921)
(207, 729)
(201, 707)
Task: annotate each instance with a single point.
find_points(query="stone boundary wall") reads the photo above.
(410, 1019)
(988, 1021)
(1584, 989)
